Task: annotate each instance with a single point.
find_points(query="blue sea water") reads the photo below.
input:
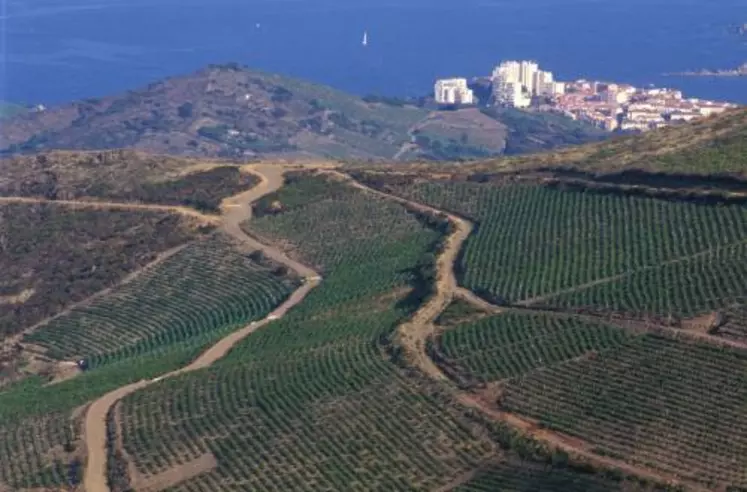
(53, 51)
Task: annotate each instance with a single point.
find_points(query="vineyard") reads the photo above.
(52, 256)
(671, 405)
(621, 253)
(735, 325)
(40, 452)
(706, 283)
(333, 222)
(207, 287)
(322, 399)
(523, 477)
(38, 436)
(312, 402)
(510, 345)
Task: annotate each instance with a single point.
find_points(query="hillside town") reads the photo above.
(608, 105)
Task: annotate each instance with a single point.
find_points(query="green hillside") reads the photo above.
(232, 111)
(713, 145)
(568, 321)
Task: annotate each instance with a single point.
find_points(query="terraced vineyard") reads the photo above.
(312, 402)
(615, 253)
(512, 344)
(663, 403)
(207, 287)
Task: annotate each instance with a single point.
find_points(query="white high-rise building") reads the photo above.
(528, 71)
(543, 83)
(516, 82)
(453, 91)
(511, 94)
(509, 71)
(507, 83)
(510, 76)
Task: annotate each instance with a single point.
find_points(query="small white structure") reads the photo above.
(453, 91)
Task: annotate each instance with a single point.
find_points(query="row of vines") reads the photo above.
(536, 243)
(311, 402)
(207, 287)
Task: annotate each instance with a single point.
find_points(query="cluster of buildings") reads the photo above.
(521, 84)
(627, 108)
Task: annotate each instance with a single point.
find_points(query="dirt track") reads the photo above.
(103, 205)
(236, 210)
(557, 441)
(414, 334)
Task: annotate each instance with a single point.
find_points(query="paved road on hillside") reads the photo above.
(235, 211)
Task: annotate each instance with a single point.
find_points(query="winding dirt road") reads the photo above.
(415, 333)
(235, 210)
(418, 330)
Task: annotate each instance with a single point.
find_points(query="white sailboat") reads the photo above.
(365, 38)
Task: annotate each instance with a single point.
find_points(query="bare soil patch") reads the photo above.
(706, 323)
(19, 298)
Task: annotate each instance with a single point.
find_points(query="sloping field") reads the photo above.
(706, 282)
(706, 146)
(523, 477)
(671, 405)
(207, 287)
(330, 222)
(51, 256)
(533, 244)
(40, 452)
(510, 345)
(313, 402)
(40, 424)
(735, 322)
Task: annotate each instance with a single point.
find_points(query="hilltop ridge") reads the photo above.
(716, 145)
(232, 111)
